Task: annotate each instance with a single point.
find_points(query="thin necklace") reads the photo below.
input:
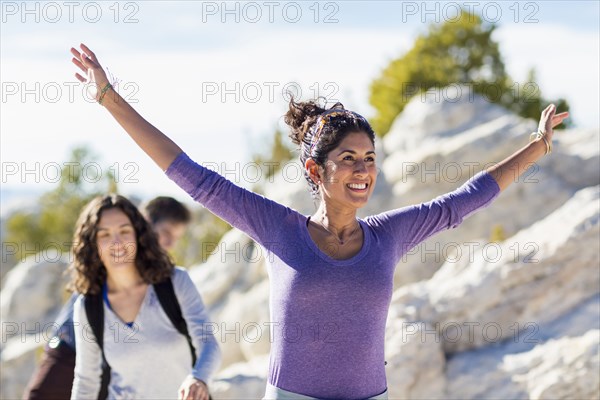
(341, 242)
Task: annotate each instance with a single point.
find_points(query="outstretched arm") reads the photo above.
(156, 144)
(509, 169)
(260, 218)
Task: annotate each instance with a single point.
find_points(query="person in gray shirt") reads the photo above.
(53, 377)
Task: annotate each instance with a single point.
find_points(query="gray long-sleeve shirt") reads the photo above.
(151, 359)
(329, 315)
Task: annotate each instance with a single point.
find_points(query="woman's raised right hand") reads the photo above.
(88, 63)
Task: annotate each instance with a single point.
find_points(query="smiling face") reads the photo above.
(350, 171)
(116, 240)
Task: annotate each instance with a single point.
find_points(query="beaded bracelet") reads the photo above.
(104, 90)
(537, 135)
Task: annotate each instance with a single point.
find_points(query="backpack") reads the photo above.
(94, 309)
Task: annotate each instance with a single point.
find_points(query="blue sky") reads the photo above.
(176, 59)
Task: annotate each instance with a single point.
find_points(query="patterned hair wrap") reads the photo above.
(325, 118)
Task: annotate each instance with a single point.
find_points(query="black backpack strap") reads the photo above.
(94, 310)
(166, 296)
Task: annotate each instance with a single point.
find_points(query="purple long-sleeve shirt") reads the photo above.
(329, 315)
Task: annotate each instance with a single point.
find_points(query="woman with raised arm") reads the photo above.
(331, 273)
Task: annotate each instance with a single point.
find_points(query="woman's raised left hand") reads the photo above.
(88, 63)
(550, 119)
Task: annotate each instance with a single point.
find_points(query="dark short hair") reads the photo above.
(165, 208)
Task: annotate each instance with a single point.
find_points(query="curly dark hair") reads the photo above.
(302, 117)
(88, 273)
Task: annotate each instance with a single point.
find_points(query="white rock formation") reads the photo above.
(33, 292)
(535, 276)
(528, 318)
(435, 147)
(242, 380)
(17, 363)
(554, 360)
(31, 297)
(415, 361)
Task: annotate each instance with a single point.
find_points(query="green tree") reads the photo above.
(204, 234)
(51, 225)
(275, 158)
(526, 100)
(457, 51)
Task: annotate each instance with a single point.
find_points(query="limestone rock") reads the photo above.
(245, 380)
(34, 292)
(415, 362)
(554, 360)
(537, 275)
(17, 363)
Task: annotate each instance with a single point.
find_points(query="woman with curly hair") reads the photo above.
(331, 273)
(117, 255)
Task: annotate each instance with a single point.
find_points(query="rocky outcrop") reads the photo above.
(31, 297)
(510, 324)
